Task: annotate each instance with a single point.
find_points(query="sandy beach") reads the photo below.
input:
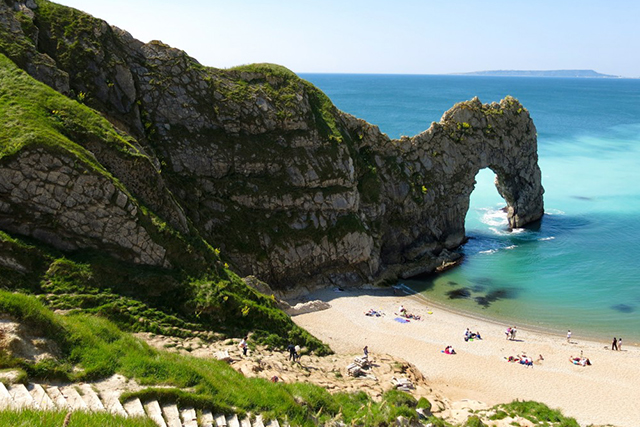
(605, 393)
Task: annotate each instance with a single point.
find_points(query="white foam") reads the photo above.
(494, 217)
(553, 212)
(544, 239)
(511, 247)
(490, 251)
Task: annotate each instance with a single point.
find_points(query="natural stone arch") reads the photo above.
(443, 162)
(501, 137)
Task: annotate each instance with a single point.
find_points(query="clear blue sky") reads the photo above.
(398, 36)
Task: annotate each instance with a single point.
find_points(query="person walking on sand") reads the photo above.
(513, 333)
(614, 344)
(569, 336)
(619, 344)
(365, 350)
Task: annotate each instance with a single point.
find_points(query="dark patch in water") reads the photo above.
(498, 294)
(459, 293)
(478, 288)
(582, 198)
(452, 283)
(486, 281)
(623, 308)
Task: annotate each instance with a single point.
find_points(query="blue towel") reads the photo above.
(401, 320)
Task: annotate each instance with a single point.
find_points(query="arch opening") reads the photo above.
(487, 208)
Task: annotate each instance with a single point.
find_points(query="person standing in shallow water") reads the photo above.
(614, 344)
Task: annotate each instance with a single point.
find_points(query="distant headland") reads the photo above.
(541, 73)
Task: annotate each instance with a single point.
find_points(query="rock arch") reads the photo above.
(442, 164)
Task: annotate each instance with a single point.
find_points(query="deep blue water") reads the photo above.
(580, 269)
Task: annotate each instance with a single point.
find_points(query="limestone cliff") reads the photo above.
(253, 159)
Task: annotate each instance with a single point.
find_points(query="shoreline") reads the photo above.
(588, 335)
(604, 393)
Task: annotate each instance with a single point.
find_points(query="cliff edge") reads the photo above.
(252, 160)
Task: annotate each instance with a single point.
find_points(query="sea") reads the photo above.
(577, 269)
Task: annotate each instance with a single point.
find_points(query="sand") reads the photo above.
(607, 392)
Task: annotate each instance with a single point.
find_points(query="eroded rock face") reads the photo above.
(54, 199)
(292, 190)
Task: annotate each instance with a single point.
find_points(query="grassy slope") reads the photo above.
(35, 418)
(97, 348)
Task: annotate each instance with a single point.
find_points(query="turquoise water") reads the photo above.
(579, 268)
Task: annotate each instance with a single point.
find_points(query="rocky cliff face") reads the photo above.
(255, 160)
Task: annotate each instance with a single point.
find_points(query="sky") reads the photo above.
(389, 37)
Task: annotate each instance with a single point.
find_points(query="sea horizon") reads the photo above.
(461, 74)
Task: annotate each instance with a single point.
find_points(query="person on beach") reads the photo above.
(467, 334)
(569, 336)
(402, 311)
(365, 350)
(582, 361)
(619, 344)
(614, 344)
(449, 350)
(508, 333)
(513, 333)
(526, 360)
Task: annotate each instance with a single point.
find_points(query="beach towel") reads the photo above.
(401, 320)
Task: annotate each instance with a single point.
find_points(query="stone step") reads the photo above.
(134, 408)
(272, 423)
(258, 421)
(91, 398)
(111, 402)
(21, 396)
(40, 397)
(206, 420)
(74, 400)
(6, 401)
(189, 417)
(245, 422)
(154, 412)
(56, 395)
(232, 421)
(171, 415)
(221, 420)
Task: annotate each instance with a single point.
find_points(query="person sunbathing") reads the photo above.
(525, 360)
(449, 350)
(404, 313)
(582, 361)
(373, 312)
(468, 335)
